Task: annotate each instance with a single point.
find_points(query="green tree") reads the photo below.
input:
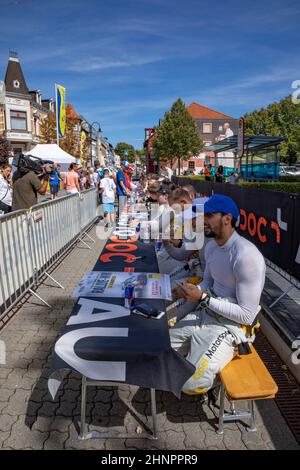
(125, 151)
(177, 136)
(278, 119)
(5, 150)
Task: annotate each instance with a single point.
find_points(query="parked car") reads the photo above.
(188, 173)
(290, 170)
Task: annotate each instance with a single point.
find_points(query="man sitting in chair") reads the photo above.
(228, 297)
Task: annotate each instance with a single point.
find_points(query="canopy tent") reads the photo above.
(51, 152)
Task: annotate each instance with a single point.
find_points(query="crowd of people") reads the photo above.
(218, 176)
(216, 286)
(20, 189)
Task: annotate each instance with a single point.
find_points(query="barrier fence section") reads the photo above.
(32, 241)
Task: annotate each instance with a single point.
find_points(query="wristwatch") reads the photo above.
(204, 301)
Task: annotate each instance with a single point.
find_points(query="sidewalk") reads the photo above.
(29, 419)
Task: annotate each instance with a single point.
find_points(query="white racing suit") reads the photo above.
(192, 270)
(208, 341)
(235, 272)
(167, 264)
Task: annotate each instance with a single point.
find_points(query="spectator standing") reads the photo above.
(127, 175)
(233, 178)
(108, 190)
(165, 172)
(122, 190)
(60, 177)
(207, 172)
(5, 189)
(99, 170)
(26, 186)
(71, 180)
(94, 178)
(219, 174)
(99, 173)
(54, 182)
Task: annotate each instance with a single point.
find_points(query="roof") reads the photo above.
(14, 78)
(71, 113)
(251, 141)
(198, 111)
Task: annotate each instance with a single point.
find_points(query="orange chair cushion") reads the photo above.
(246, 377)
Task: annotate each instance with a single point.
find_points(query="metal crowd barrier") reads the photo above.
(32, 241)
(294, 283)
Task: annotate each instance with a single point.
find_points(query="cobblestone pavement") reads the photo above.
(29, 419)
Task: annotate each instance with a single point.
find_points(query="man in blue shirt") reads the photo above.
(99, 170)
(54, 182)
(122, 191)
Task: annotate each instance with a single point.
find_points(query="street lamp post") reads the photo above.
(98, 130)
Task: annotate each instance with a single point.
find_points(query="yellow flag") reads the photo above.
(61, 109)
(83, 139)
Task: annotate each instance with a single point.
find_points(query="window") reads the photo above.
(207, 128)
(18, 120)
(191, 165)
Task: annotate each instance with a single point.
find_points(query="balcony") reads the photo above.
(20, 136)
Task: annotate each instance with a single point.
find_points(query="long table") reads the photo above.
(107, 344)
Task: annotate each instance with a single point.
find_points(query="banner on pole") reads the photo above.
(61, 109)
(82, 141)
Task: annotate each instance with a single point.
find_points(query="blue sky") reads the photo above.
(125, 62)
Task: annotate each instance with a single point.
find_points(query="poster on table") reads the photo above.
(113, 284)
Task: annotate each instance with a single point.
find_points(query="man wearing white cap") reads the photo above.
(228, 298)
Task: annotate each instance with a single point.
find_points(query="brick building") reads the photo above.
(212, 126)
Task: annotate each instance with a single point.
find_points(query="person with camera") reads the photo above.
(27, 185)
(5, 189)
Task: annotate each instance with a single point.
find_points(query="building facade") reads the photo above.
(22, 110)
(213, 126)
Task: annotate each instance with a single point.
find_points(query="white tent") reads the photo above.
(51, 152)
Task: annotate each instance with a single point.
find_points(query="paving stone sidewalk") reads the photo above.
(30, 419)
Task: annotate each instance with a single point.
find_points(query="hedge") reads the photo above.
(276, 186)
(287, 187)
(290, 178)
(194, 177)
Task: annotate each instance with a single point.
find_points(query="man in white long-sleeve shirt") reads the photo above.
(235, 273)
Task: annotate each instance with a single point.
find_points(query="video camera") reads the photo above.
(26, 163)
